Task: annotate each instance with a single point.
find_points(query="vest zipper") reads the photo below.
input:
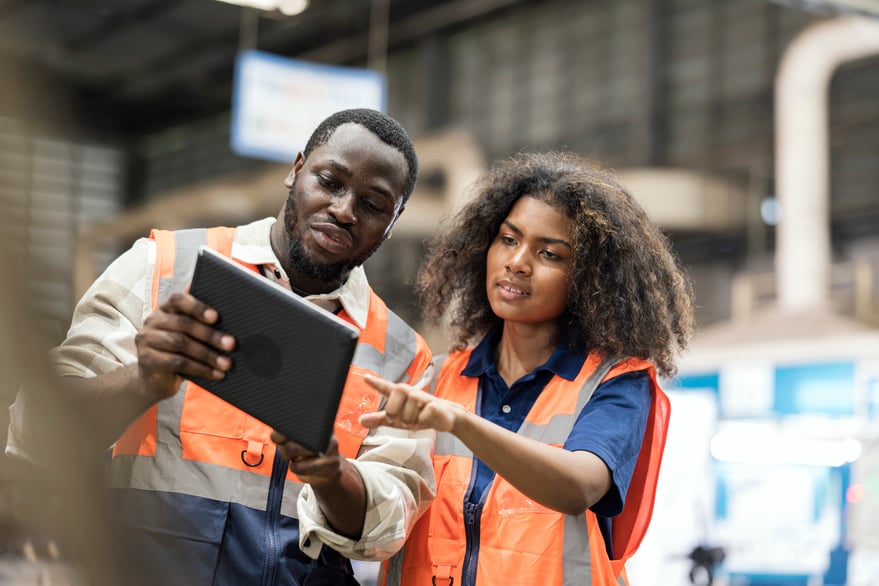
(472, 515)
(273, 519)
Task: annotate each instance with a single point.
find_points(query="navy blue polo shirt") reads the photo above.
(611, 425)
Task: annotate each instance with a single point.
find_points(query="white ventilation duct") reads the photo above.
(802, 154)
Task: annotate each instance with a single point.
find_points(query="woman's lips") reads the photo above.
(511, 291)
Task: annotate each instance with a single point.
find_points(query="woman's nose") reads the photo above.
(518, 262)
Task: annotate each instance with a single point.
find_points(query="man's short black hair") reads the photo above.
(383, 126)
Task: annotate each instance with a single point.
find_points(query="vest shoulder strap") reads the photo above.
(176, 252)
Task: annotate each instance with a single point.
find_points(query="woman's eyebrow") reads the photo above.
(545, 239)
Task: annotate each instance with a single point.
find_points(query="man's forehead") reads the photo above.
(352, 131)
(352, 139)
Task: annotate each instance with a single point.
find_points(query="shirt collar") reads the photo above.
(252, 244)
(563, 362)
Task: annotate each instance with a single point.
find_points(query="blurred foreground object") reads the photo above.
(52, 530)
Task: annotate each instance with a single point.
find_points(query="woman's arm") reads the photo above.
(565, 481)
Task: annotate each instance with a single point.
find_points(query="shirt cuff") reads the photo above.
(390, 510)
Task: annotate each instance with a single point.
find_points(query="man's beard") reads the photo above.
(299, 260)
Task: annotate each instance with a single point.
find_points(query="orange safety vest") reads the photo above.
(521, 542)
(197, 444)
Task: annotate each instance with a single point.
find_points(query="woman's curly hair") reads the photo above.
(627, 294)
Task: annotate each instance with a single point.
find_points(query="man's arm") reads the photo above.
(368, 514)
(384, 491)
(336, 483)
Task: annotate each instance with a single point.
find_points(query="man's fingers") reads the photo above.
(202, 332)
(291, 450)
(185, 303)
(181, 347)
(178, 322)
(180, 364)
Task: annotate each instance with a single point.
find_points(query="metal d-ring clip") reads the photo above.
(249, 465)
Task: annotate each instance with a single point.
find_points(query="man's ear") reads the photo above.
(291, 176)
(390, 227)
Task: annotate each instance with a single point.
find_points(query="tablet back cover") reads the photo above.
(291, 359)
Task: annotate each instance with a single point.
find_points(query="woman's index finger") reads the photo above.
(381, 385)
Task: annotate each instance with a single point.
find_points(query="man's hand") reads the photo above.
(308, 466)
(179, 340)
(337, 484)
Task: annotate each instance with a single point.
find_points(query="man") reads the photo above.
(208, 496)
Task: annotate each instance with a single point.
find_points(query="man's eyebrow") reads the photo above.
(380, 189)
(545, 239)
(340, 168)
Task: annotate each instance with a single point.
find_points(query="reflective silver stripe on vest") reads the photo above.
(166, 472)
(169, 411)
(576, 560)
(400, 348)
(437, 366)
(559, 427)
(554, 432)
(168, 414)
(449, 445)
(186, 243)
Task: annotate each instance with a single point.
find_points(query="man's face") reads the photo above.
(343, 202)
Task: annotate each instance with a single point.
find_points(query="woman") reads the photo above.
(564, 302)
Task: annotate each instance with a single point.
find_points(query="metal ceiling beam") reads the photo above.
(350, 48)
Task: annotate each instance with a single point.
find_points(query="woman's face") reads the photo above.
(529, 262)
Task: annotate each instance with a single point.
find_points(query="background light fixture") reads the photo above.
(285, 7)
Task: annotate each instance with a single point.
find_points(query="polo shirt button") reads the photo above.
(506, 408)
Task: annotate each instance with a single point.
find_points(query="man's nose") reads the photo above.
(342, 207)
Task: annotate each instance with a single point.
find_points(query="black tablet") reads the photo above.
(291, 358)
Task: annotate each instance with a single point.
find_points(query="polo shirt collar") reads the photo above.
(252, 244)
(563, 362)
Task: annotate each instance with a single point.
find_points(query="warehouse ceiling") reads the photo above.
(137, 66)
(143, 65)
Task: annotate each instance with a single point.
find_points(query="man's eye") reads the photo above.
(372, 205)
(326, 181)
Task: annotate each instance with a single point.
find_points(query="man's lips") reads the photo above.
(332, 237)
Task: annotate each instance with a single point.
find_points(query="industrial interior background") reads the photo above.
(115, 117)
